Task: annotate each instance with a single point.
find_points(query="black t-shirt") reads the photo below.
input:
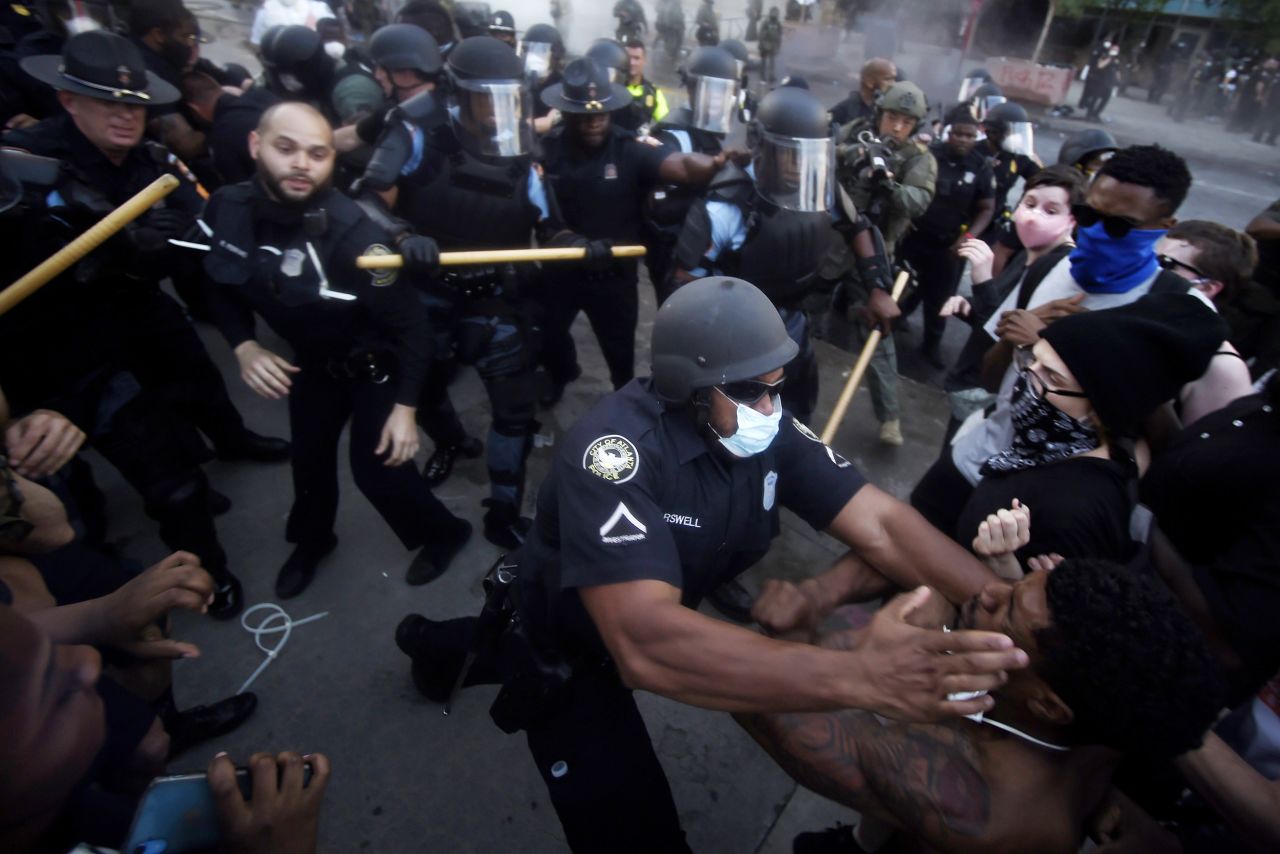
(962, 183)
(602, 193)
(1215, 492)
(851, 109)
(1079, 508)
(635, 492)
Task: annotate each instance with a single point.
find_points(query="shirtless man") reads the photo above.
(1027, 776)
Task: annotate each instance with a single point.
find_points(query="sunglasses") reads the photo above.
(749, 392)
(1023, 359)
(1173, 265)
(1115, 226)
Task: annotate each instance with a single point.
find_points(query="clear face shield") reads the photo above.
(1020, 139)
(713, 102)
(968, 87)
(490, 113)
(537, 61)
(796, 174)
(986, 104)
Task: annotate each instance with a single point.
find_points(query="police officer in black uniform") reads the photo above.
(963, 205)
(284, 246)
(601, 175)
(659, 493)
(701, 125)
(542, 51)
(104, 88)
(1012, 154)
(474, 187)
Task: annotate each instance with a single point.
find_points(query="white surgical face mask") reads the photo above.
(755, 432)
(337, 50)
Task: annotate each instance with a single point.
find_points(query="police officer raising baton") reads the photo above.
(665, 489)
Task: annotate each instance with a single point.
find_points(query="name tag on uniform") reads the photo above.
(610, 172)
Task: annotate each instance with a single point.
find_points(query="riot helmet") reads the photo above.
(405, 47)
(739, 52)
(1009, 124)
(971, 83)
(486, 96)
(1083, 147)
(295, 63)
(987, 97)
(542, 51)
(610, 55)
(690, 349)
(794, 154)
(712, 82)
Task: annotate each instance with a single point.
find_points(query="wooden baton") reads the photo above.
(859, 368)
(51, 267)
(498, 256)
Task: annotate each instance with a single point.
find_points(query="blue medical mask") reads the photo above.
(1102, 264)
(756, 432)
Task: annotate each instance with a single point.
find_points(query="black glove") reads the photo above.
(599, 255)
(874, 272)
(152, 232)
(421, 255)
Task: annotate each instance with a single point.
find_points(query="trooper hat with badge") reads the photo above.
(586, 89)
(503, 28)
(104, 66)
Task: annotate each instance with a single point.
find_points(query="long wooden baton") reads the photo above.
(498, 256)
(51, 267)
(860, 368)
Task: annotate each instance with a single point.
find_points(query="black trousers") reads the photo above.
(162, 349)
(611, 303)
(319, 406)
(595, 756)
(939, 274)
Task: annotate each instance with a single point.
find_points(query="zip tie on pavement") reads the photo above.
(276, 622)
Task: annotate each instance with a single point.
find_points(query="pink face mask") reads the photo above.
(1039, 230)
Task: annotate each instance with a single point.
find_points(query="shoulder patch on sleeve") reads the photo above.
(805, 431)
(387, 275)
(613, 458)
(836, 459)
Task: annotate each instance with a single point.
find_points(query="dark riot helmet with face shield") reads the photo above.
(542, 51)
(711, 78)
(486, 97)
(793, 153)
(610, 55)
(1010, 124)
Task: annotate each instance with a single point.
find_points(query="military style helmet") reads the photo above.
(405, 47)
(690, 347)
(1081, 147)
(906, 98)
(610, 55)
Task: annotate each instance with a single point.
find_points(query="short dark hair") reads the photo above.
(1225, 254)
(1066, 177)
(634, 42)
(1123, 654)
(146, 15)
(1152, 166)
(961, 114)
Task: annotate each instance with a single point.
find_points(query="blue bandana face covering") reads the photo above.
(1101, 264)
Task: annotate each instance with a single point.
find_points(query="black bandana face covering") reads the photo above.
(1042, 433)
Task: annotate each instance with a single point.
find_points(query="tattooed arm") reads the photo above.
(926, 779)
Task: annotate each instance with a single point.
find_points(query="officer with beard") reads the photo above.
(890, 177)
(284, 247)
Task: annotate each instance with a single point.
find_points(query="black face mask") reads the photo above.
(1042, 433)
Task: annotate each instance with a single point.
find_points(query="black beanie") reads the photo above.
(1131, 359)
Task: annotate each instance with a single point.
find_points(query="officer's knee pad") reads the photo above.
(506, 354)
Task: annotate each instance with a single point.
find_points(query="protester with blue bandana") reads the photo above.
(1129, 207)
(663, 490)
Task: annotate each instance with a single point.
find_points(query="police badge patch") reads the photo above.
(386, 275)
(612, 458)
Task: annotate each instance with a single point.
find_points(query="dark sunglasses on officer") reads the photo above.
(749, 392)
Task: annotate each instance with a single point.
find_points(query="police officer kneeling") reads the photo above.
(284, 246)
(666, 488)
